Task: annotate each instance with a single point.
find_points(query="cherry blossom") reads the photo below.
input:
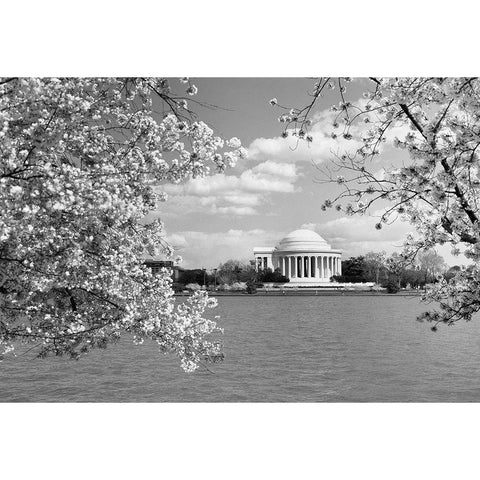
(79, 160)
(436, 122)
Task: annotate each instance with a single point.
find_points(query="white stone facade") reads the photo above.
(303, 256)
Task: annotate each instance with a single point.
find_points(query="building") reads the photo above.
(156, 264)
(303, 256)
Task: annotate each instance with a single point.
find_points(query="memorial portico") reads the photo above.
(303, 256)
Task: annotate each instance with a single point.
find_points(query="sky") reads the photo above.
(278, 188)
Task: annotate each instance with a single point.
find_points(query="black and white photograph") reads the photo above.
(235, 242)
(322, 257)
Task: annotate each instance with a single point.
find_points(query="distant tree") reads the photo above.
(431, 264)
(353, 270)
(197, 275)
(392, 286)
(374, 265)
(251, 287)
(412, 276)
(235, 271)
(397, 265)
(268, 276)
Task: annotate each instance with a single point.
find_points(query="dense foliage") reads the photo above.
(80, 158)
(271, 276)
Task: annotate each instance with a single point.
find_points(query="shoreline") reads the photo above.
(309, 293)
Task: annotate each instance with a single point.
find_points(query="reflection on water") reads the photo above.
(278, 349)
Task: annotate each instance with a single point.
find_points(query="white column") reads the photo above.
(315, 270)
(293, 266)
(299, 267)
(339, 265)
(306, 266)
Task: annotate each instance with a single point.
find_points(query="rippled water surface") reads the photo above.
(278, 349)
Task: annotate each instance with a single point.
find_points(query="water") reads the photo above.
(278, 349)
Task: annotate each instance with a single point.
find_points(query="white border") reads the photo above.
(247, 441)
(249, 38)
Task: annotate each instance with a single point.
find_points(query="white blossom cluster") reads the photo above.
(78, 160)
(437, 189)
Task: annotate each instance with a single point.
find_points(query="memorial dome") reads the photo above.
(302, 240)
(304, 257)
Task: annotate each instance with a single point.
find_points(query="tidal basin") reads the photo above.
(278, 349)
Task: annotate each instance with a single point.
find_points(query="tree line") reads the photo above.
(395, 271)
(392, 272)
(230, 275)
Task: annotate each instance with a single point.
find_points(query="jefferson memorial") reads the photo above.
(303, 256)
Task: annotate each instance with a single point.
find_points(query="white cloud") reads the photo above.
(251, 200)
(236, 210)
(357, 235)
(209, 249)
(266, 177)
(323, 146)
(291, 149)
(286, 170)
(232, 194)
